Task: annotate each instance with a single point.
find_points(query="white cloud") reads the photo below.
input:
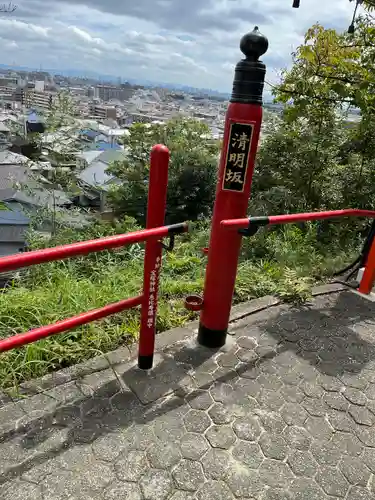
(193, 43)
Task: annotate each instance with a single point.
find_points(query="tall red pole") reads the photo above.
(157, 200)
(241, 136)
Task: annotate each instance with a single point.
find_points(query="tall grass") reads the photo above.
(284, 262)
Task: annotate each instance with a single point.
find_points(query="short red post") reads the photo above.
(157, 199)
(241, 136)
(368, 278)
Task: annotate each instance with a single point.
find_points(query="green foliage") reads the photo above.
(284, 265)
(192, 172)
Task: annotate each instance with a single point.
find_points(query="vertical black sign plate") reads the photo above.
(237, 156)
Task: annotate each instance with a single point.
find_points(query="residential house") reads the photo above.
(94, 179)
(13, 229)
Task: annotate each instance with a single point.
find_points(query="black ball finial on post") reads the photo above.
(250, 72)
(254, 44)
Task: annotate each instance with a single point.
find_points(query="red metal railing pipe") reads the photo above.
(156, 207)
(17, 261)
(68, 324)
(290, 218)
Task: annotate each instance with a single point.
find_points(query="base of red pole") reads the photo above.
(145, 362)
(211, 338)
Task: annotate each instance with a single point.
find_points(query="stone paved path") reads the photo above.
(287, 412)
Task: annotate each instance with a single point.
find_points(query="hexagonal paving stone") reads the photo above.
(130, 491)
(297, 437)
(248, 370)
(302, 463)
(326, 452)
(20, 490)
(366, 435)
(163, 455)
(220, 436)
(182, 495)
(273, 446)
(292, 394)
(355, 380)
(270, 400)
(199, 400)
(249, 387)
(196, 421)
(202, 379)
(156, 485)
(222, 392)
(246, 356)
(369, 458)
(318, 427)
(216, 463)
(332, 481)
(314, 407)
(272, 422)
(219, 414)
(294, 414)
(355, 396)
(131, 466)
(341, 421)
(269, 381)
(362, 415)
(214, 490)
(227, 360)
(370, 391)
(246, 342)
(358, 493)
(248, 453)
(330, 384)
(306, 489)
(275, 494)
(312, 390)
(193, 446)
(243, 482)
(336, 401)
(188, 475)
(247, 428)
(275, 473)
(355, 471)
(347, 443)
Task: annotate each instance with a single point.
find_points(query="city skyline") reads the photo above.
(159, 41)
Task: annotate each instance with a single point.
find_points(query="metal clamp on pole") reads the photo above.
(254, 224)
(173, 229)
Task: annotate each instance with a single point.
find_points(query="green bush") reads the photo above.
(290, 260)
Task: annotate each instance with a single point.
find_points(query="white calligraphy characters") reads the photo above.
(153, 289)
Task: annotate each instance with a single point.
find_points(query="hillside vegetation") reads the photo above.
(312, 158)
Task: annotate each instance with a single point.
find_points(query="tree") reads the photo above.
(192, 172)
(327, 162)
(9, 8)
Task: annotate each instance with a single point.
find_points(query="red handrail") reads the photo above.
(289, 218)
(12, 262)
(68, 324)
(152, 262)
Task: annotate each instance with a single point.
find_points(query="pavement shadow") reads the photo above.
(336, 338)
(111, 406)
(333, 337)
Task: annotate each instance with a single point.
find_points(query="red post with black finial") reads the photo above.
(241, 136)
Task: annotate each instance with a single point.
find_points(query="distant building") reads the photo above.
(8, 81)
(108, 92)
(103, 112)
(40, 86)
(38, 99)
(13, 230)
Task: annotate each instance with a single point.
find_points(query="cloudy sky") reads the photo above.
(192, 42)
